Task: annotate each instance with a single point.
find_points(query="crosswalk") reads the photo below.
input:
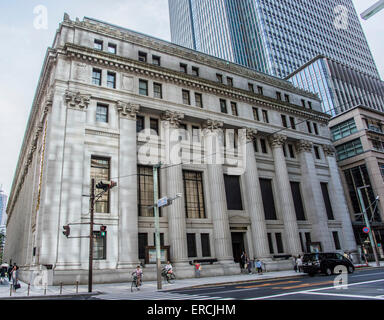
(156, 296)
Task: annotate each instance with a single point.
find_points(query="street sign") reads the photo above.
(162, 202)
(366, 230)
(379, 245)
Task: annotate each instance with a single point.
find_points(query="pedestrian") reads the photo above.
(9, 272)
(15, 278)
(242, 260)
(2, 274)
(259, 266)
(299, 264)
(197, 269)
(250, 266)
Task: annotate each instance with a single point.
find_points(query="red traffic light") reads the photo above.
(103, 228)
(67, 231)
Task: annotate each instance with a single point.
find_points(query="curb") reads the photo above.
(43, 297)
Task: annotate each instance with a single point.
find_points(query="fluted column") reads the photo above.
(313, 196)
(127, 186)
(221, 231)
(255, 201)
(285, 195)
(174, 175)
(338, 200)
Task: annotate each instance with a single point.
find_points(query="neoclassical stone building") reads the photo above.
(253, 161)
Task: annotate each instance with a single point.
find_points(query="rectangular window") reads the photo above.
(142, 56)
(230, 81)
(194, 194)
(284, 121)
(233, 192)
(154, 126)
(223, 106)
(143, 242)
(99, 246)
(219, 77)
(157, 90)
(270, 243)
(251, 87)
(309, 104)
(186, 97)
(268, 200)
(302, 242)
(278, 95)
(260, 90)
(303, 102)
(327, 200)
(336, 240)
(112, 48)
(183, 132)
(265, 116)
(315, 128)
(293, 124)
(255, 145)
(143, 87)
(195, 71)
(297, 201)
(198, 100)
(101, 113)
(111, 80)
(279, 243)
(161, 239)
(195, 134)
(308, 240)
(139, 124)
(344, 129)
(349, 149)
(234, 108)
(98, 45)
(183, 68)
(205, 245)
(100, 171)
(309, 127)
(191, 245)
(96, 77)
(156, 60)
(263, 145)
(145, 190)
(286, 97)
(256, 114)
(291, 151)
(317, 152)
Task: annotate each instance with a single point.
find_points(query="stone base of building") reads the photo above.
(278, 265)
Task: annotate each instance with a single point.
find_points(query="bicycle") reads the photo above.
(168, 276)
(136, 282)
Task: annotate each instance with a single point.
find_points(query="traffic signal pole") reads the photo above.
(157, 224)
(91, 211)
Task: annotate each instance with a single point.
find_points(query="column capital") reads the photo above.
(212, 125)
(127, 110)
(277, 140)
(304, 146)
(172, 117)
(329, 150)
(76, 100)
(251, 134)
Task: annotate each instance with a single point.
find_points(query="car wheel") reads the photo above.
(311, 274)
(328, 271)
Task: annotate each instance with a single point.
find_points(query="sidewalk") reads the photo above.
(150, 286)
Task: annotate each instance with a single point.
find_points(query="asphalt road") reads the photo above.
(367, 284)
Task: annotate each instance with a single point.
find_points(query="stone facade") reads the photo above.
(65, 132)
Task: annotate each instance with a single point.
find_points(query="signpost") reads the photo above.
(366, 230)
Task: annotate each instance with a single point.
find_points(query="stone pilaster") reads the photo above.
(285, 195)
(313, 197)
(255, 201)
(338, 200)
(221, 231)
(128, 255)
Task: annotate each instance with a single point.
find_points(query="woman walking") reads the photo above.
(15, 277)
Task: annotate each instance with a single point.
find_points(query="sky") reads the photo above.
(26, 37)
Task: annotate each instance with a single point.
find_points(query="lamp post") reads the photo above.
(368, 224)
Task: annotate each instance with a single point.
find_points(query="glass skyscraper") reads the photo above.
(273, 36)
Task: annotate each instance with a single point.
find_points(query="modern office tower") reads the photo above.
(339, 87)
(112, 103)
(3, 205)
(273, 36)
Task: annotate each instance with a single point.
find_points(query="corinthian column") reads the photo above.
(313, 197)
(221, 231)
(285, 194)
(338, 200)
(255, 201)
(174, 175)
(128, 212)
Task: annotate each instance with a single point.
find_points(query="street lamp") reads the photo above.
(367, 223)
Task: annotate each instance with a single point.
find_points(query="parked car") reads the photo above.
(325, 263)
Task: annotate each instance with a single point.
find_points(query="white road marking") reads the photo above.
(368, 274)
(344, 295)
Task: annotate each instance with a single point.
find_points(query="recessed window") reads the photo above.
(219, 77)
(100, 171)
(265, 116)
(268, 199)
(303, 102)
(279, 242)
(315, 128)
(143, 87)
(251, 87)
(194, 194)
(292, 121)
(191, 245)
(186, 97)
(278, 95)
(96, 77)
(154, 126)
(195, 71)
(98, 44)
(198, 100)
(111, 80)
(286, 97)
(156, 60)
(309, 104)
(157, 90)
(297, 201)
(327, 200)
(291, 151)
(112, 48)
(317, 152)
(195, 134)
(256, 114)
(205, 245)
(223, 106)
(234, 108)
(145, 190)
(336, 240)
(233, 192)
(309, 127)
(260, 90)
(183, 68)
(284, 121)
(142, 56)
(139, 124)
(101, 113)
(263, 145)
(230, 81)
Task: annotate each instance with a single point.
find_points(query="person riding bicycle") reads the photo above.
(168, 270)
(138, 273)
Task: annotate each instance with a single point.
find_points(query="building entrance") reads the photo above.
(237, 245)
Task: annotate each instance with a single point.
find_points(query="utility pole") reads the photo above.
(373, 245)
(157, 223)
(92, 209)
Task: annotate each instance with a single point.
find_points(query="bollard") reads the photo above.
(10, 291)
(61, 288)
(45, 290)
(29, 288)
(77, 286)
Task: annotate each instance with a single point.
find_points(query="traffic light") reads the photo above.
(67, 231)
(106, 185)
(103, 230)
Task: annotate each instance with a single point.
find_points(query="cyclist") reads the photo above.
(138, 273)
(168, 270)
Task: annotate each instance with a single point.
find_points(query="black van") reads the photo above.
(325, 263)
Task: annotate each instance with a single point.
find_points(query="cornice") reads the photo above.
(138, 68)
